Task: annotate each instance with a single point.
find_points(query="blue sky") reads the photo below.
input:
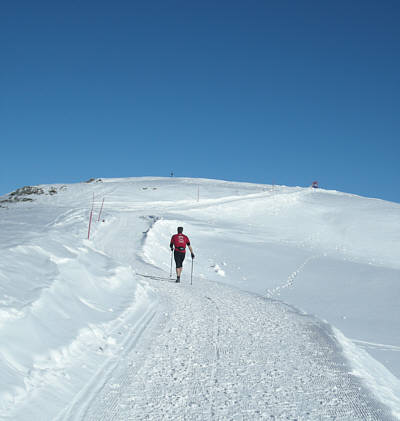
(282, 92)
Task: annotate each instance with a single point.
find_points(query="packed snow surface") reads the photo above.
(292, 311)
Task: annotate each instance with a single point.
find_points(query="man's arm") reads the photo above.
(191, 251)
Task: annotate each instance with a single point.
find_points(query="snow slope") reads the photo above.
(84, 328)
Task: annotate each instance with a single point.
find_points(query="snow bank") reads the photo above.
(377, 378)
(63, 305)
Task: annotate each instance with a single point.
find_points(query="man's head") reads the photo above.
(180, 230)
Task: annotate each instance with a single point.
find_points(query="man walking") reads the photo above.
(178, 245)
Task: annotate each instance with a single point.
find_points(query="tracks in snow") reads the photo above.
(88, 395)
(215, 353)
(270, 293)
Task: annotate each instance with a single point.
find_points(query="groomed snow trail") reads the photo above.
(216, 353)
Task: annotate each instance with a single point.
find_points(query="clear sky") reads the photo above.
(282, 92)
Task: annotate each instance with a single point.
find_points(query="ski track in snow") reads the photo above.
(214, 353)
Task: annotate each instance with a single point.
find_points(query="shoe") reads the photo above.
(178, 279)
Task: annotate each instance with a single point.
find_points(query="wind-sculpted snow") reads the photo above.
(59, 309)
(92, 330)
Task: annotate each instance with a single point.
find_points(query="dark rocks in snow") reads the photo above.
(94, 180)
(24, 194)
(27, 190)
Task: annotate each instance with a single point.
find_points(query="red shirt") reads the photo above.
(180, 241)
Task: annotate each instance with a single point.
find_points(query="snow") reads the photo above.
(295, 295)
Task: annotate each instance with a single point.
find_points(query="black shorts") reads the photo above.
(179, 258)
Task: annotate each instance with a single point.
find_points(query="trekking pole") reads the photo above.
(170, 272)
(191, 275)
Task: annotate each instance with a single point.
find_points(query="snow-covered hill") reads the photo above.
(82, 322)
